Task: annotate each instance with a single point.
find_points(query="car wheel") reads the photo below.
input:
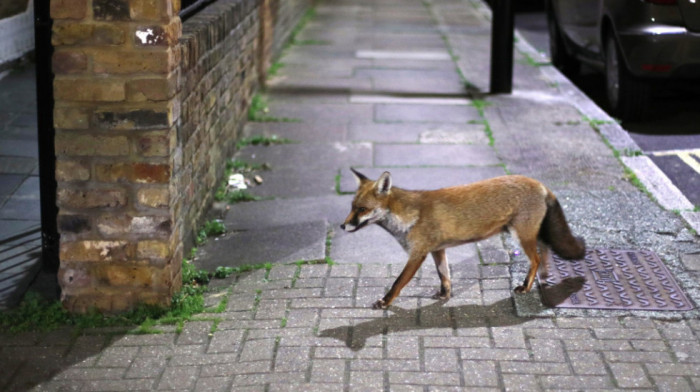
(628, 96)
(561, 59)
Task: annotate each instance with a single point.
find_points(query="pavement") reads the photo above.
(403, 86)
(20, 219)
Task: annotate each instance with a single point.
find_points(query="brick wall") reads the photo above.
(147, 110)
(219, 77)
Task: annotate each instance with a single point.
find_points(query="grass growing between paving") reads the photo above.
(629, 175)
(259, 109)
(37, 314)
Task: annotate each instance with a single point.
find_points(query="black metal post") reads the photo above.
(502, 31)
(46, 132)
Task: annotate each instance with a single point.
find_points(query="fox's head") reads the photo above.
(371, 201)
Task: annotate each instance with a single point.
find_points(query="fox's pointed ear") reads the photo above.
(359, 177)
(383, 184)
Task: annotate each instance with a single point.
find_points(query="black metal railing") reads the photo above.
(191, 7)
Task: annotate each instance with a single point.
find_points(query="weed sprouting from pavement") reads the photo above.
(258, 112)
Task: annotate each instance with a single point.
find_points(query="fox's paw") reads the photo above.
(520, 290)
(442, 295)
(380, 304)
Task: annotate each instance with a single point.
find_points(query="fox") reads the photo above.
(429, 221)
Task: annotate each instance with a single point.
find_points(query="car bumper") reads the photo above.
(657, 51)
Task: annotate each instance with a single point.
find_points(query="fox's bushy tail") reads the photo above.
(555, 232)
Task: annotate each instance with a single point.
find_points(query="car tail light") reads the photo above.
(662, 2)
(656, 67)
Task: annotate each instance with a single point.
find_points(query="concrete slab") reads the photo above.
(413, 132)
(426, 113)
(280, 212)
(444, 65)
(19, 148)
(373, 245)
(302, 170)
(434, 155)
(8, 184)
(282, 244)
(20, 261)
(21, 209)
(436, 55)
(423, 177)
(18, 165)
(310, 85)
(300, 132)
(322, 113)
(389, 98)
(420, 85)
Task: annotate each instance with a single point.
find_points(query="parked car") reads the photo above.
(636, 43)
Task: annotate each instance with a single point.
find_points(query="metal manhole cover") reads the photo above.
(614, 279)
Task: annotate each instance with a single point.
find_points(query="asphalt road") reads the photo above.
(671, 135)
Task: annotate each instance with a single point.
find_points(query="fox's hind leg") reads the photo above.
(530, 248)
(443, 270)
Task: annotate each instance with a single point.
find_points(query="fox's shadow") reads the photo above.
(437, 315)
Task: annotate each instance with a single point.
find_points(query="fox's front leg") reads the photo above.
(414, 262)
(443, 271)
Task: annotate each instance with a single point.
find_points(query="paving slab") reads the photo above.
(281, 244)
(434, 155)
(271, 213)
(303, 170)
(20, 261)
(18, 165)
(323, 113)
(415, 132)
(298, 132)
(373, 245)
(419, 82)
(422, 177)
(426, 113)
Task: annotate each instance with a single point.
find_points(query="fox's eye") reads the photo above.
(361, 209)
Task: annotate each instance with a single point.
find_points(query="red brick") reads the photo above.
(151, 10)
(69, 62)
(72, 171)
(132, 62)
(133, 172)
(129, 276)
(96, 251)
(151, 173)
(109, 34)
(89, 90)
(66, 117)
(155, 250)
(155, 144)
(78, 144)
(151, 89)
(110, 10)
(91, 198)
(68, 9)
(68, 33)
(153, 197)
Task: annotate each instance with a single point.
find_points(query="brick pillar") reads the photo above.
(116, 71)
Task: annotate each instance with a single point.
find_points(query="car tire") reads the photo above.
(629, 97)
(561, 58)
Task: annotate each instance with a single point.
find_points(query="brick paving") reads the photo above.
(363, 101)
(308, 327)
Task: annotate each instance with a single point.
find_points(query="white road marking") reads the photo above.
(689, 157)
